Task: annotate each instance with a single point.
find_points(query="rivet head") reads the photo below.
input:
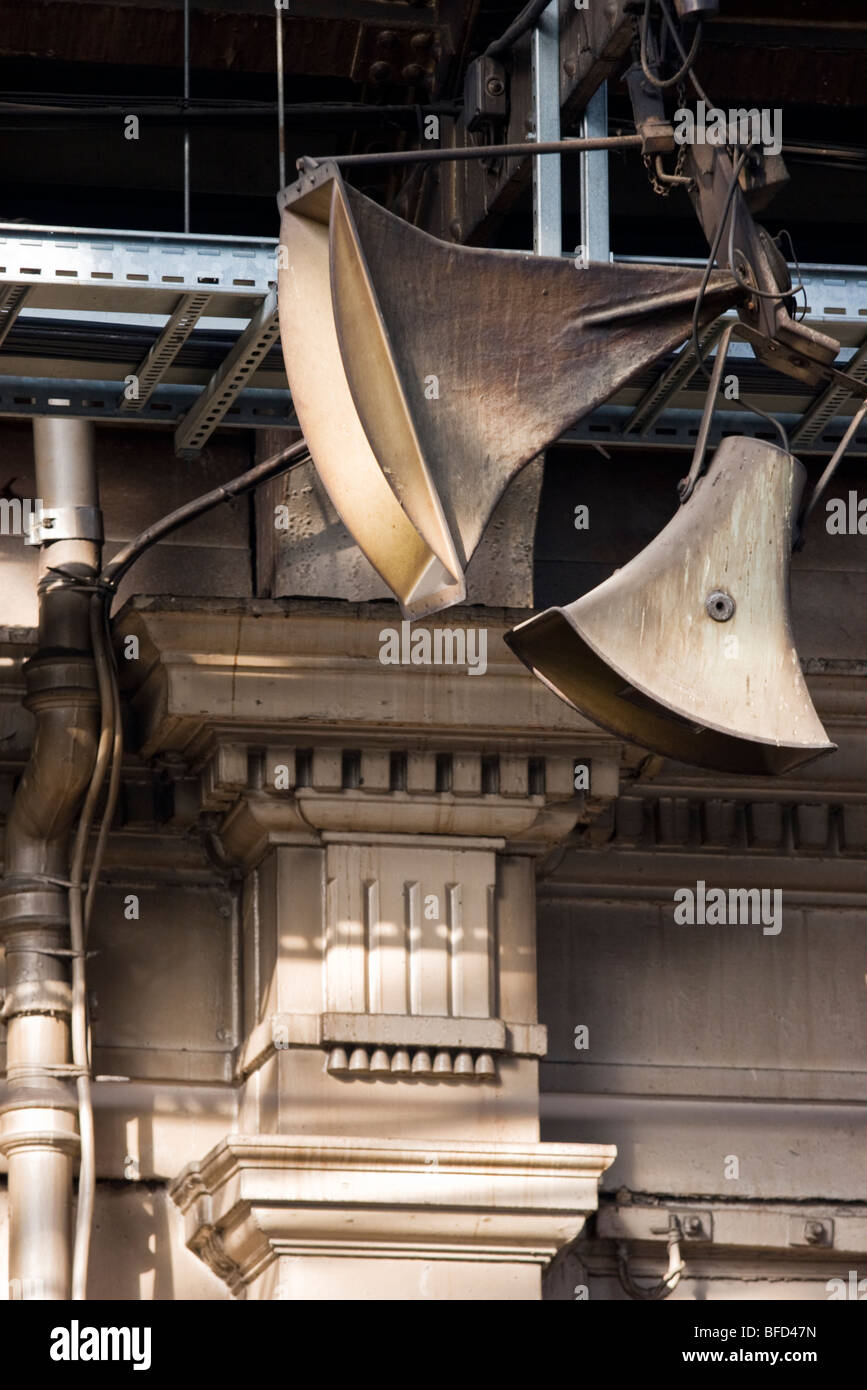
(720, 606)
(380, 72)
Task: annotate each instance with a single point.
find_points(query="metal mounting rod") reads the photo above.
(524, 147)
(281, 113)
(186, 126)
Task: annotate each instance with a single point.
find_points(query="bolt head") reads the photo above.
(720, 606)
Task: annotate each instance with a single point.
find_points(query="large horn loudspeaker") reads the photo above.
(426, 375)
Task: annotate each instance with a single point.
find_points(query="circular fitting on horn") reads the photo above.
(720, 606)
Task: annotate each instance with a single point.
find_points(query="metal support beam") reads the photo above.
(257, 409)
(169, 404)
(547, 191)
(142, 272)
(595, 221)
(678, 375)
(679, 429)
(159, 359)
(830, 402)
(228, 383)
(12, 300)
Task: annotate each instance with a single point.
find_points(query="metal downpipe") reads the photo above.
(38, 1124)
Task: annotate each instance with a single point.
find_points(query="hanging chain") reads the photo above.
(664, 189)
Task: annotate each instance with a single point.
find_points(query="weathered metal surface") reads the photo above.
(426, 376)
(643, 656)
(464, 202)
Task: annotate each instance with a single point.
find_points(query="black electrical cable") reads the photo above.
(517, 29)
(778, 295)
(206, 109)
(245, 482)
(663, 83)
(708, 270)
(696, 317)
(672, 28)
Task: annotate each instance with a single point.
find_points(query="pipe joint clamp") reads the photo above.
(64, 524)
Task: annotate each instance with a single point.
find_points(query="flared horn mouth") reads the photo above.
(426, 375)
(688, 649)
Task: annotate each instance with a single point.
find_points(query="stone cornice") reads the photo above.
(260, 672)
(262, 667)
(254, 1198)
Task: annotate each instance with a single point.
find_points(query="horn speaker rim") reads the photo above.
(661, 590)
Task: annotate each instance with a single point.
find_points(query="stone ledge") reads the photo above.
(255, 1199)
(286, 1030)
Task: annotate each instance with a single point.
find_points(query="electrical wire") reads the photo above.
(696, 317)
(101, 634)
(672, 28)
(77, 941)
(778, 295)
(290, 457)
(664, 1286)
(663, 83)
(708, 270)
(517, 29)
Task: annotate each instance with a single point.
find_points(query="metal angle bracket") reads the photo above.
(644, 1223)
(12, 300)
(678, 375)
(229, 380)
(827, 406)
(158, 360)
